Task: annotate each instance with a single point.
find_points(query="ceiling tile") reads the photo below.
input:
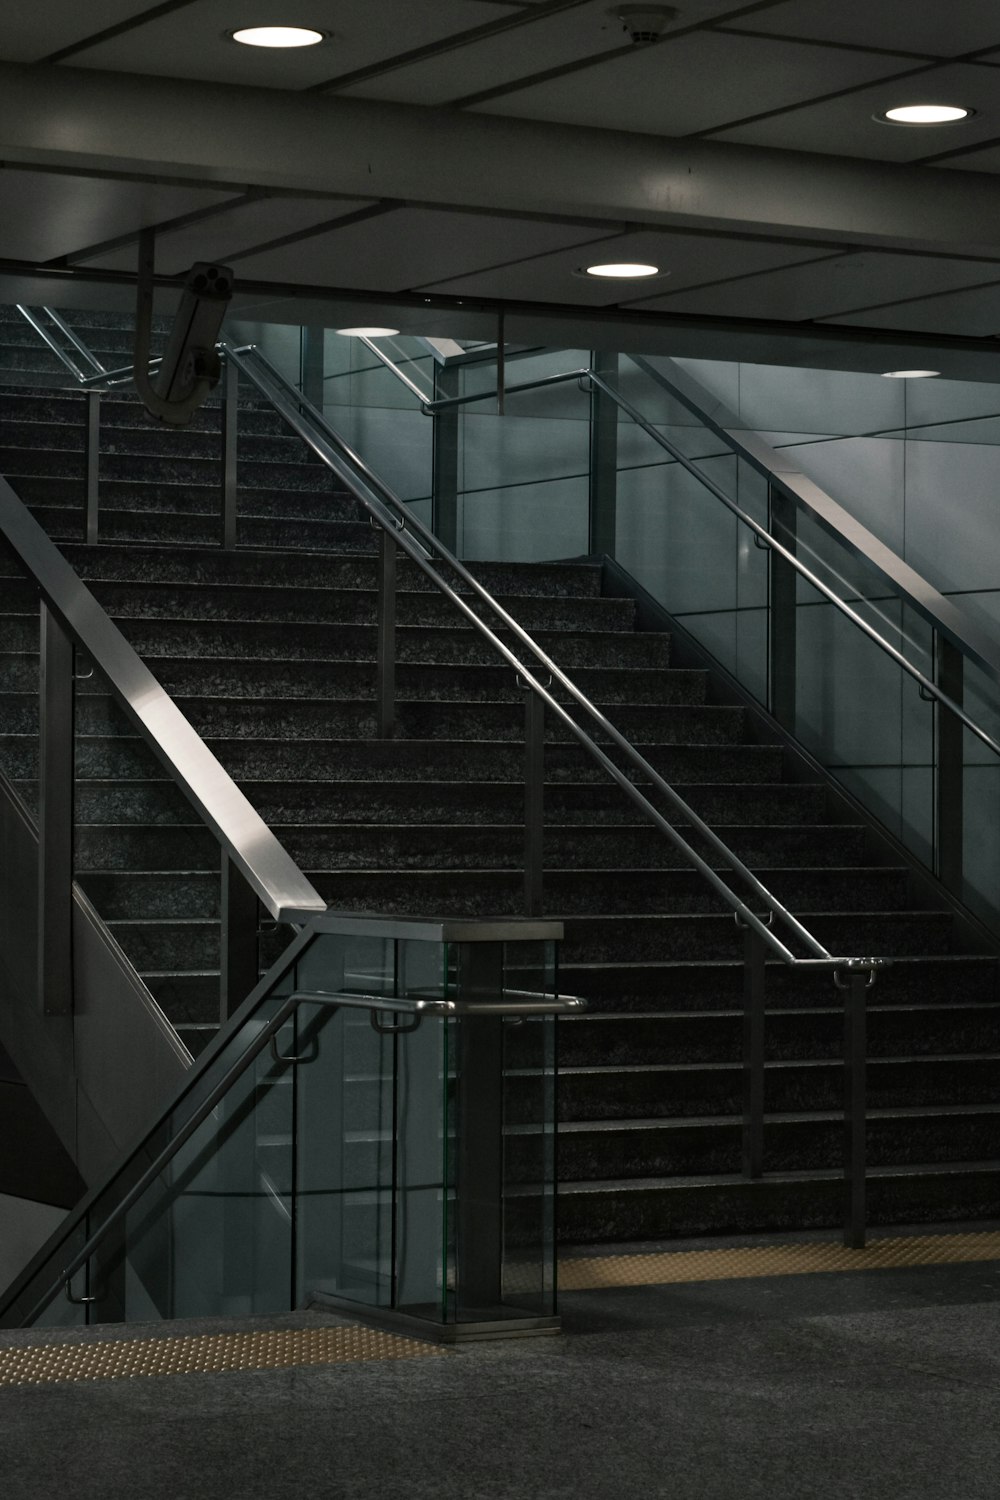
(973, 313)
(192, 42)
(923, 26)
(846, 127)
(32, 32)
(701, 81)
(823, 288)
(48, 214)
(550, 42)
(690, 259)
(408, 248)
(226, 235)
(987, 160)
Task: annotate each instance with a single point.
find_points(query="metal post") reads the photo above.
(230, 417)
(313, 364)
(603, 458)
(501, 366)
(855, 1105)
(93, 448)
(534, 801)
(782, 612)
(754, 954)
(239, 962)
(479, 1184)
(385, 660)
(444, 491)
(55, 819)
(949, 839)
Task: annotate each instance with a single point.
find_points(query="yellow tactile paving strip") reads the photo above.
(126, 1359)
(589, 1273)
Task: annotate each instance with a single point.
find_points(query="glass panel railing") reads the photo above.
(375, 1131)
(803, 641)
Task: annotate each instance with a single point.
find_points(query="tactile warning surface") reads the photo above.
(125, 1359)
(588, 1273)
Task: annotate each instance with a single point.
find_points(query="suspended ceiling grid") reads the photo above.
(791, 76)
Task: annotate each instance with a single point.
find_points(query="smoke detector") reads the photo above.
(644, 23)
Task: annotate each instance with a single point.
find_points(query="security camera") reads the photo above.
(644, 23)
(190, 367)
(190, 358)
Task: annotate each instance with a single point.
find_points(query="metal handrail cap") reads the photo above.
(435, 929)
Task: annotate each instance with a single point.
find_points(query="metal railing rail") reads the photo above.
(935, 607)
(239, 829)
(419, 543)
(97, 369)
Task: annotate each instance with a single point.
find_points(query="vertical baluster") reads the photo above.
(782, 611)
(230, 417)
(534, 801)
(949, 839)
(603, 458)
(754, 954)
(93, 447)
(385, 687)
(859, 981)
(55, 818)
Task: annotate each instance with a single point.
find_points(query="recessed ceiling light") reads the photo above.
(622, 270)
(368, 333)
(277, 36)
(925, 114)
(909, 374)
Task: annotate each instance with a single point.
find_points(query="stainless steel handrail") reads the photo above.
(385, 506)
(75, 340)
(238, 827)
(47, 339)
(959, 638)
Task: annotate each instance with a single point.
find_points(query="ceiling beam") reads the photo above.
(82, 119)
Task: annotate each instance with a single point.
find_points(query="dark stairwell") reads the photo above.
(269, 652)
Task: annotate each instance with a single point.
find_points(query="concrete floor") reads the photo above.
(869, 1385)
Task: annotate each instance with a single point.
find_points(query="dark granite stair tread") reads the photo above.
(771, 1065)
(637, 1126)
(578, 580)
(676, 1184)
(331, 604)
(594, 1016)
(428, 645)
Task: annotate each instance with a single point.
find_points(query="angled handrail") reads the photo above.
(238, 827)
(936, 608)
(932, 605)
(61, 354)
(423, 547)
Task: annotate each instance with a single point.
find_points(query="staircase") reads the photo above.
(269, 651)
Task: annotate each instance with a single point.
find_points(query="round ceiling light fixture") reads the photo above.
(278, 36)
(909, 374)
(624, 270)
(368, 333)
(925, 114)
